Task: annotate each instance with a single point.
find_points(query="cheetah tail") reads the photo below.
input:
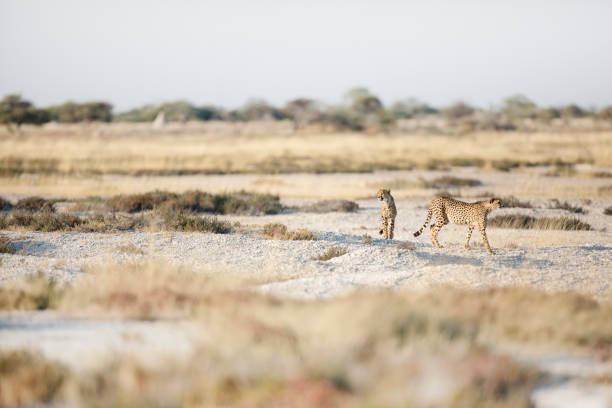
(416, 234)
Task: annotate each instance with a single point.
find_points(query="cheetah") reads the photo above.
(388, 213)
(447, 210)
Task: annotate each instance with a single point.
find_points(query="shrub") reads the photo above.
(139, 202)
(513, 202)
(45, 221)
(184, 221)
(555, 204)
(324, 206)
(281, 232)
(34, 204)
(520, 221)
(6, 246)
(5, 205)
(608, 211)
(332, 252)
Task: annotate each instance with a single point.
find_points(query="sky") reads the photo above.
(133, 52)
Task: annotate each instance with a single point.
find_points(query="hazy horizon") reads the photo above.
(137, 52)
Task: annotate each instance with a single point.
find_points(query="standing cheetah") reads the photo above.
(447, 210)
(388, 213)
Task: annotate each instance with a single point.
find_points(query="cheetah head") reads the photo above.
(384, 195)
(494, 203)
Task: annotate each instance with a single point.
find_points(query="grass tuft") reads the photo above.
(450, 181)
(367, 239)
(281, 232)
(332, 252)
(185, 221)
(406, 245)
(520, 221)
(608, 211)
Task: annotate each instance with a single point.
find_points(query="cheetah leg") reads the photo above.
(434, 234)
(383, 223)
(469, 235)
(483, 232)
(390, 227)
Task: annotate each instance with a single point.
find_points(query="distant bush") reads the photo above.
(15, 111)
(177, 111)
(71, 112)
(410, 108)
(458, 110)
(605, 113)
(450, 181)
(520, 221)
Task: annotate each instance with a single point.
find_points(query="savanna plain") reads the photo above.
(240, 265)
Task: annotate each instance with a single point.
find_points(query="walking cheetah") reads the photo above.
(447, 210)
(388, 213)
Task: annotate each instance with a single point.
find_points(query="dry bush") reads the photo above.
(281, 232)
(513, 202)
(555, 204)
(185, 221)
(28, 379)
(35, 293)
(33, 204)
(325, 206)
(608, 211)
(520, 221)
(562, 170)
(45, 221)
(5, 205)
(367, 239)
(6, 246)
(332, 252)
(197, 201)
(600, 174)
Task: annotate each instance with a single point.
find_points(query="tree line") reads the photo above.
(360, 110)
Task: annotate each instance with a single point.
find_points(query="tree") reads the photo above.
(458, 110)
(302, 111)
(411, 107)
(16, 111)
(259, 109)
(519, 106)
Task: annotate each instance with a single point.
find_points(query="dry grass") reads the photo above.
(266, 351)
(513, 202)
(325, 206)
(33, 204)
(450, 181)
(367, 239)
(281, 232)
(520, 221)
(332, 252)
(197, 201)
(6, 246)
(134, 149)
(555, 204)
